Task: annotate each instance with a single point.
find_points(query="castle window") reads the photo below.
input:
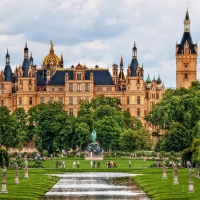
(79, 88)
(29, 88)
(157, 96)
(78, 76)
(51, 89)
(138, 112)
(87, 87)
(70, 100)
(186, 68)
(20, 81)
(138, 81)
(185, 76)
(71, 87)
(2, 103)
(78, 100)
(128, 100)
(29, 74)
(109, 89)
(60, 89)
(51, 99)
(138, 100)
(20, 100)
(60, 100)
(29, 81)
(87, 99)
(71, 111)
(30, 101)
(99, 89)
(41, 99)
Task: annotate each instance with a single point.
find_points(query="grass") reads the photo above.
(150, 181)
(157, 188)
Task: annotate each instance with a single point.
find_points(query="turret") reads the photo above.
(7, 70)
(25, 64)
(31, 60)
(134, 62)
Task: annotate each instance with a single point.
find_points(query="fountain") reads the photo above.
(94, 150)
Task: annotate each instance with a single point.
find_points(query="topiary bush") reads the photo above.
(4, 155)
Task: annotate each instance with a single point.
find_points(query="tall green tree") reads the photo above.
(8, 128)
(52, 126)
(103, 100)
(82, 135)
(139, 139)
(22, 125)
(108, 132)
(131, 122)
(177, 138)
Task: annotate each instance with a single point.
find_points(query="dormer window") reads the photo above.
(78, 76)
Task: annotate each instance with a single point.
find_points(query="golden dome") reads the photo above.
(51, 58)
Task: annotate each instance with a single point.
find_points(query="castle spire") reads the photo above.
(134, 53)
(7, 58)
(187, 22)
(121, 62)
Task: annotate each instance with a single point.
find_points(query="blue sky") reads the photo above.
(98, 32)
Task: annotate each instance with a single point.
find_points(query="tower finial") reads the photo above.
(134, 44)
(188, 4)
(121, 62)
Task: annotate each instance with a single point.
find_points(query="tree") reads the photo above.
(131, 122)
(131, 140)
(127, 141)
(108, 132)
(21, 118)
(52, 126)
(108, 111)
(180, 105)
(82, 135)
(101, 100)
(176, 138)
(8, 128)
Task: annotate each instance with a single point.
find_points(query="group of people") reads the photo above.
(60, 164)
(76, 164)
(111, 164)
(94, 164)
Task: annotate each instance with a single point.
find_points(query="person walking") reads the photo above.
(91, 164)
(129, 164)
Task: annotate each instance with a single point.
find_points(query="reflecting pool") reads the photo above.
(95, 185)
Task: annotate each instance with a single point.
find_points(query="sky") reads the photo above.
(98, 32)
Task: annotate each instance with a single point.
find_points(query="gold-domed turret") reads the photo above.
(51, 59)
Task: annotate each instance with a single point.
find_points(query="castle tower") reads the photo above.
(186, 58)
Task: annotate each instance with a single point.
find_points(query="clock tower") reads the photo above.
(186, 58)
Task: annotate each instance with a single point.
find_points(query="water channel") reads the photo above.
(95, 186)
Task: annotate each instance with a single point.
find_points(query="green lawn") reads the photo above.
(150, 181)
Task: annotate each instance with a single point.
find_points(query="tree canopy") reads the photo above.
(179, 114)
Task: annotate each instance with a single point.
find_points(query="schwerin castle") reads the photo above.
(29, 85)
